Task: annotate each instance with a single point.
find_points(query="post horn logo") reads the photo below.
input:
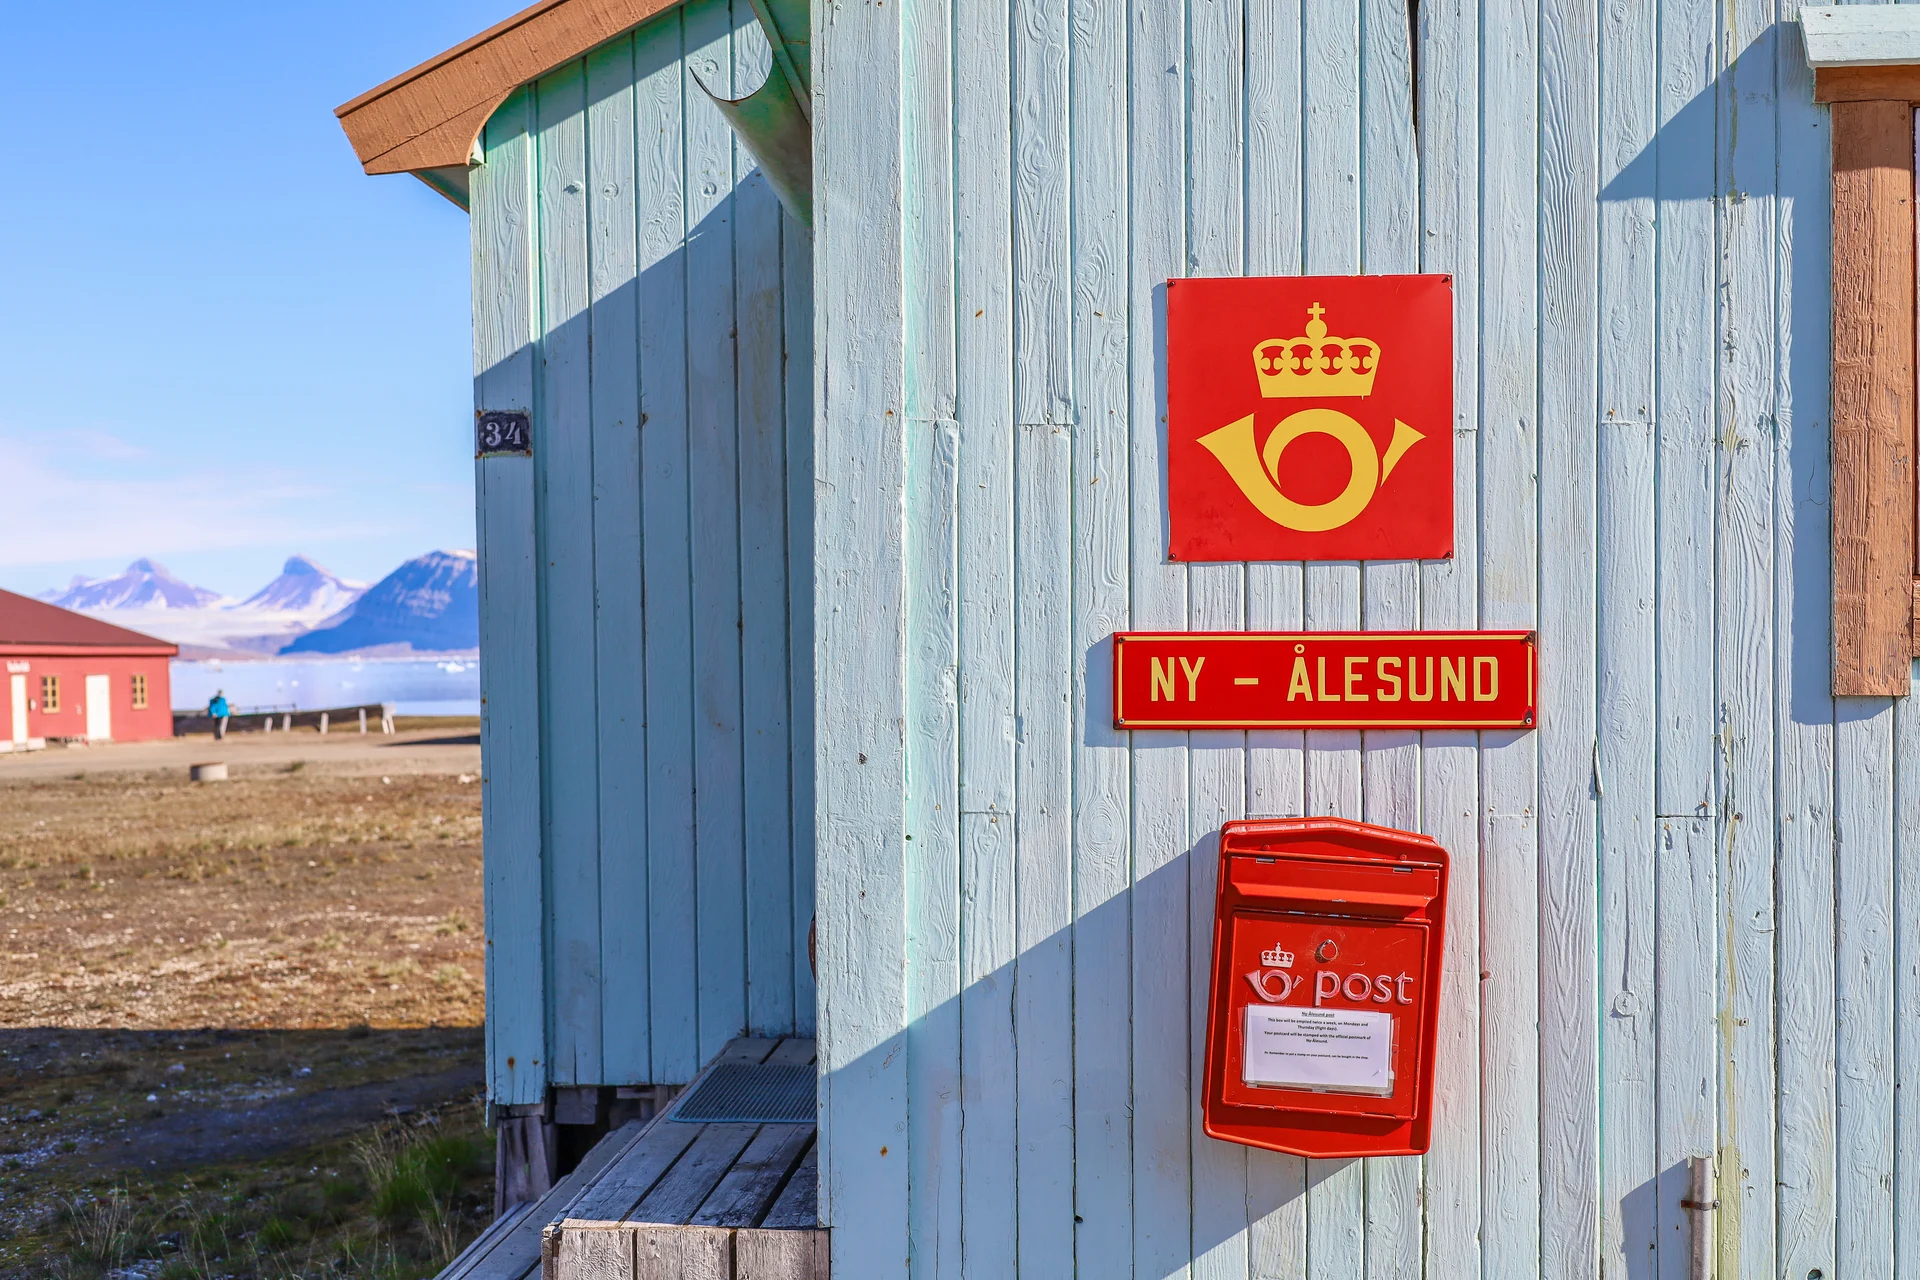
(1311, 365)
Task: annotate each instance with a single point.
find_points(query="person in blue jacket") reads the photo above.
(219, 710)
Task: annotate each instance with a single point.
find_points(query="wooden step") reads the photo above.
(666, 1199)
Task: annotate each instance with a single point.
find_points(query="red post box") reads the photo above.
(1326, 982)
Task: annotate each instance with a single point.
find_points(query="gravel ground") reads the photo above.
(216, 999)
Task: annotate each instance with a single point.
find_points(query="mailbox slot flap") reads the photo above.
(1336, 888)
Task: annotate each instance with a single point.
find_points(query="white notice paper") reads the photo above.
(1338, 1049)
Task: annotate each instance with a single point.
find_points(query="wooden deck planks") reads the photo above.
(639, 1167)
(797, 1207)
(666, 1198)
(743, 1195)
(471, 1261)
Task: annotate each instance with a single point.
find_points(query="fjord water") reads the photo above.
(443, 686)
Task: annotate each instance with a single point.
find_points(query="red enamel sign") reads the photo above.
(1323, 1017)
(1323, 679)
(1310, 418)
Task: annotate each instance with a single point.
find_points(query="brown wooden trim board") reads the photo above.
(1873, 397)
(430, 117)
(1867, 84)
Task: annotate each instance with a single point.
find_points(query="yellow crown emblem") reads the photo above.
(1315, 364)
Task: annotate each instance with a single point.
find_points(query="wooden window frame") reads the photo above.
(49, 695)
(1876, 580)
(137, 687)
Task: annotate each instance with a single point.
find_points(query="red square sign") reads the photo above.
(1310, 418)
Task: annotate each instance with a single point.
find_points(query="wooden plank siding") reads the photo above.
(649, 890)
(504, 328)
(1682, 910)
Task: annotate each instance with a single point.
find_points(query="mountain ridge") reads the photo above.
(428, 604)
(431, 604)
(144, 584)
(304, 585)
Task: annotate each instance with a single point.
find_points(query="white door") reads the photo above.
(99, 709)
(19, 710)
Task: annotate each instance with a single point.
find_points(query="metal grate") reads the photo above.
(739, 1093)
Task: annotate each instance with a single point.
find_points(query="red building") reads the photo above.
(71, 676)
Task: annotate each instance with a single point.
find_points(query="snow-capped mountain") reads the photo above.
(430, 604)
(304, 587)
(144, 585)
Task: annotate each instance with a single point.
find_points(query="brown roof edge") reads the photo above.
(28, 625)
(155, 650)
(431, 116)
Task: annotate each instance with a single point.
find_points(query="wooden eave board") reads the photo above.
(156, 650)
(431, 116)
(1860, 35)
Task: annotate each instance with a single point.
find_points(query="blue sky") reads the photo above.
(220, 342)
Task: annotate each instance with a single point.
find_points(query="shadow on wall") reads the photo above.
(1701, 154)
(1113, 1131)
(669, 912)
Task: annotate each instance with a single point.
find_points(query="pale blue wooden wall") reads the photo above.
(1686, 911)
(647, 733)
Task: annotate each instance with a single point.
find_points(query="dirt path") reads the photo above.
(440, 748)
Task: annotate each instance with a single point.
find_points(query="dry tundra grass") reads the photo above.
(239, 1022)
(283, 899)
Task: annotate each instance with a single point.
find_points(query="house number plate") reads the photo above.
(499, 434)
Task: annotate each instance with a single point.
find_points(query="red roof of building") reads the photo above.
(34, 626)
